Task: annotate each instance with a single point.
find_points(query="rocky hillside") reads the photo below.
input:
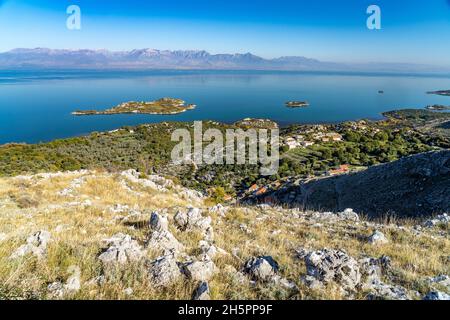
(98, 235)
(414, 186)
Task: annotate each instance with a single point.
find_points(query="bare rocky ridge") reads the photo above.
(414, 186)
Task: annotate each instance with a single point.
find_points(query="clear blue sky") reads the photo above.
(415, 31)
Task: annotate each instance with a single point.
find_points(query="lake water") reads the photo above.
(37, 106)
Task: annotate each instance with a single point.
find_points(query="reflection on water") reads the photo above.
(36, 106)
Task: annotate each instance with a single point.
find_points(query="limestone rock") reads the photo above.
(441, 280)
(181, 220)
(56, 290)
(164, 271)
(121, 249)
(201, 270)
(382, 291)
(333, 266)
(372, 269)
(73, 283)
(158, 222)
(262, 268)
(219, 209)
(348, 214)
(192, 219)
(437, 295)
(377, 238)
(202, 292)
(285, 284)
(164, 240)
(443, 219)
(36, 245)
(128, 291)
(207, 249)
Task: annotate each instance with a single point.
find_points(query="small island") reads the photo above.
(164, 106)
(297, 104)
(438, 107)
(440, 92)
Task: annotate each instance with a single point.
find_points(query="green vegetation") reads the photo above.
(147, 148)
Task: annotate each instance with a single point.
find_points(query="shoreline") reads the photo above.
(281, 125)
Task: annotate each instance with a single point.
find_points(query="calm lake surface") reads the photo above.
(37, 106)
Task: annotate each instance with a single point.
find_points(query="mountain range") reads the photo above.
(186, 59)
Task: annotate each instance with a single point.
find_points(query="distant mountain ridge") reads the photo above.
(184, 59)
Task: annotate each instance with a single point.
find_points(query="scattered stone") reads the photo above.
(36, 245)
(196, 220)
(155, 182)
(333, 266)
(441, 280)
(311, 282)
(189, 194)
(348, 214)
(56, 290)
(244, 228)
(442, 219)
(202, 292)
(219, 209)
(377, 238)
(128, 291)
(437, 295)
(122, 249)
(209, 234)
(382, 291)
(75, 184)
(372, 269)
(164, 240)
(285, 284)
(301, 253)
(207, 249)
(119, 208)
(158, 222)
(201, 270)
(73, 283)
(262, 268)
(192, 220)
(164, 271)
(181, 220)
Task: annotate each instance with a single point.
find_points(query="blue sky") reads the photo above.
(414, 31)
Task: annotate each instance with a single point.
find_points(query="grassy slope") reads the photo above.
(28, 205)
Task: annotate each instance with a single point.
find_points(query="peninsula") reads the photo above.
(164, 106)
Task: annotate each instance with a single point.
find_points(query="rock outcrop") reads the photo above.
(36, 245)
(121, 249)
(417, 185)
(336, 266)
(164, 271)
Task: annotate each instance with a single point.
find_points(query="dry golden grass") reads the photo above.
(78, 228)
